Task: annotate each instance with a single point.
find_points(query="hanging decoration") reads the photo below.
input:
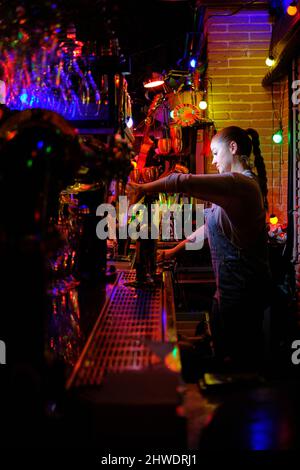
(186, 114)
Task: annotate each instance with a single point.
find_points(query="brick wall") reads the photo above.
(237, 48)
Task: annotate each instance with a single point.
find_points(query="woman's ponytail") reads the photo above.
(259, 164)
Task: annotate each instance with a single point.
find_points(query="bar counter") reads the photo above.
(125, 386)
(134, 330)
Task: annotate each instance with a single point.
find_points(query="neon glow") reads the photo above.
(154, 84)
(130, 123)
(193, 63)
(292, 9)
(10, 135)
(278, 137)
(273, 219)
(261, 430)
(270, 61)
(52, 75)
(203, 104)
(23, 98)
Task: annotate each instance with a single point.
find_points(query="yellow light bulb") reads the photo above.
(270, 61)
(203, 104)
(273, 219)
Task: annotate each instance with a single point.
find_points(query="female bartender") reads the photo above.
(236, 230)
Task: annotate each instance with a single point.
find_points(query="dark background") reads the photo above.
(152, 34)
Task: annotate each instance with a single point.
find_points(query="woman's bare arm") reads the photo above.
(196, 237)
(218, 189)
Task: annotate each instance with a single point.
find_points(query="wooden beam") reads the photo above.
(284, 47)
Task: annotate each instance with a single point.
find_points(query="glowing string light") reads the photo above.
(273, 219)
(203, 104)
(292, 9)
(270, 61)
(278, 137)
(193, 63)
(129, 123)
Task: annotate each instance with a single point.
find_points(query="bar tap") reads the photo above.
(144, 261)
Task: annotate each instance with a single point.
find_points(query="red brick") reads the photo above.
(260, 89)
(265, 133)
(219, 81)
(258, 45)
(230, 19)
(259, 11)
(238, 97)
(221, 123)
(217, 46)
(219, 65)
(248, 62)
(247, 49)
(246, 54)
(260, 36)
(239, 107)
(269, 165)
(261, 106)
(218, 55)
(260, 19)
(258, 71)
(221, 115)
(257, 53)
(266, 139)
(215, 37)
(231, 54)
(228, 72)
(263, 123)
(259, 98)
(217, 27)
(277, 181)
(220, 90)
(243, 80)
(246, 71)
(257, 115)
(251, 28)
(239, 80)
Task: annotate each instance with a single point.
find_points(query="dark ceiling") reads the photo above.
(151, 34)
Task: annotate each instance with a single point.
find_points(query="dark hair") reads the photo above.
(259, 164)
(246, 141)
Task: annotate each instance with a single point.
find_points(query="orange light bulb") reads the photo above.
(292, 9)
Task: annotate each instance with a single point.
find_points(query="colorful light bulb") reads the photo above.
(203, 104)
(273, 219)
(270, 61)
(292, 9)
(278, 137)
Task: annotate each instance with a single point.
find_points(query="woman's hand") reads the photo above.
(165, 255)
(134, 191)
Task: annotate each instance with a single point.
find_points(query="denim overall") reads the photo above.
(243, 282)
